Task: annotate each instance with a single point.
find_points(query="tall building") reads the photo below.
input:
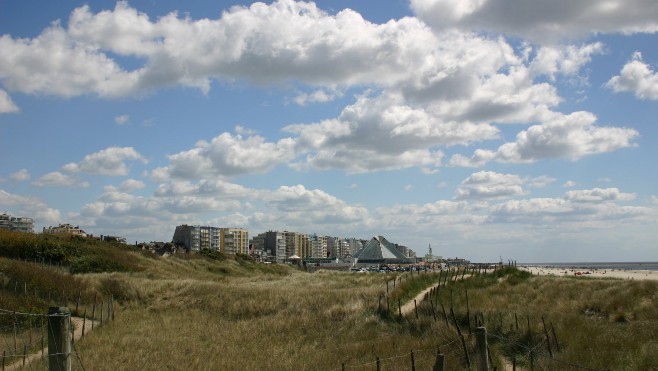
(16, 223)
(297, 244)
(195, 237)
(318, 246)
(234, 241)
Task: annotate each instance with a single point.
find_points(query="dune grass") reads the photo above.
(208, 313)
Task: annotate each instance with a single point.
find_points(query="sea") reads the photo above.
(645, 266)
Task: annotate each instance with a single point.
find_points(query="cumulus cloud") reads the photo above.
(382, 133)
(598, 195)
(317, 96)
(563, 60)
(6, 104)
(636, 77)
(307, 207)
(539, 20)
(20, 175)
(129, 185)
(110, 161)
(57, 179)
(488, 184)
(570, 136)
(229, 155)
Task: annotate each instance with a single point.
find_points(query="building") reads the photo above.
(65, 229)
(226, 240)
(195, 237)
(234, 241)
(380, 251)
(16, 223)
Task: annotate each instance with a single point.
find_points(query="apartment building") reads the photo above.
(234, 241)
(197, 237)
(16, 223)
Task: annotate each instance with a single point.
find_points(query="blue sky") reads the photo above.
(526, 135)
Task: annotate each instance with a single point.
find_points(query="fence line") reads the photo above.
(446, 278)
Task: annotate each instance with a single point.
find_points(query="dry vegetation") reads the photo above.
(195, 312)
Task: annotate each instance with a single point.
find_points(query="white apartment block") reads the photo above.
(16, 223)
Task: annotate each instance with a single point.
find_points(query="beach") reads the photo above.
(592, 272)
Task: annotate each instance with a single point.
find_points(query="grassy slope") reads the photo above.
(199, 313)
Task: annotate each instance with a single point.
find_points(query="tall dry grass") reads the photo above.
(204, 314)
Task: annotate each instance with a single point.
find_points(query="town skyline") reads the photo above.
(526, 136)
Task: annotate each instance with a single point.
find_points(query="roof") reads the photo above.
(378, 248)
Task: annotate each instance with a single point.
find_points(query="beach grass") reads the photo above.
(204, 313)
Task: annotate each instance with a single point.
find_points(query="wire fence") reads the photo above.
(517, 349)
(25, 337)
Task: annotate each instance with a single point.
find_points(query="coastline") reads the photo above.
(630, 274)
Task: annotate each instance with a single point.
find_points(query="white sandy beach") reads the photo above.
(589, 272)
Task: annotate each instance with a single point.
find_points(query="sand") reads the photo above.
(598, 273)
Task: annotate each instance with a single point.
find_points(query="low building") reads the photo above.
(65, 229)
(16, 223)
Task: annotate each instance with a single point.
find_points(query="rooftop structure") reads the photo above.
(380, 251)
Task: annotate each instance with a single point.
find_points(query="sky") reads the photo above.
(487, 129)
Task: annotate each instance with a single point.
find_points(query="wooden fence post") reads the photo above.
(413, 361)
(481, 346)
(439, 364)
(557, 343)
(59, 342)
(468, 313)
(548, 340)
(466, 357)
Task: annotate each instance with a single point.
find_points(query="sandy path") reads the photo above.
(77, 334)
(409, 307)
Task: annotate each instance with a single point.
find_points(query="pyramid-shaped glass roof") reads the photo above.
(378, 248)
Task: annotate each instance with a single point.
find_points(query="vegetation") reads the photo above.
(203, 311)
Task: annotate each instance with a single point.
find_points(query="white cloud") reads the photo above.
(6, 104)
(129, 185)
(382, 133)
(121, 120)
(636, 77)
(540, 20)
(488, 184)
(570, 136)
(565, 60)
(480, 158)
(110, 161)
(296, 205)
(57, 179)
(598, 195)
(20, 175)
(569, 184)
(317, 96)
(228, 155)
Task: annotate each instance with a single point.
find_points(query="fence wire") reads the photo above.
(24, 343)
